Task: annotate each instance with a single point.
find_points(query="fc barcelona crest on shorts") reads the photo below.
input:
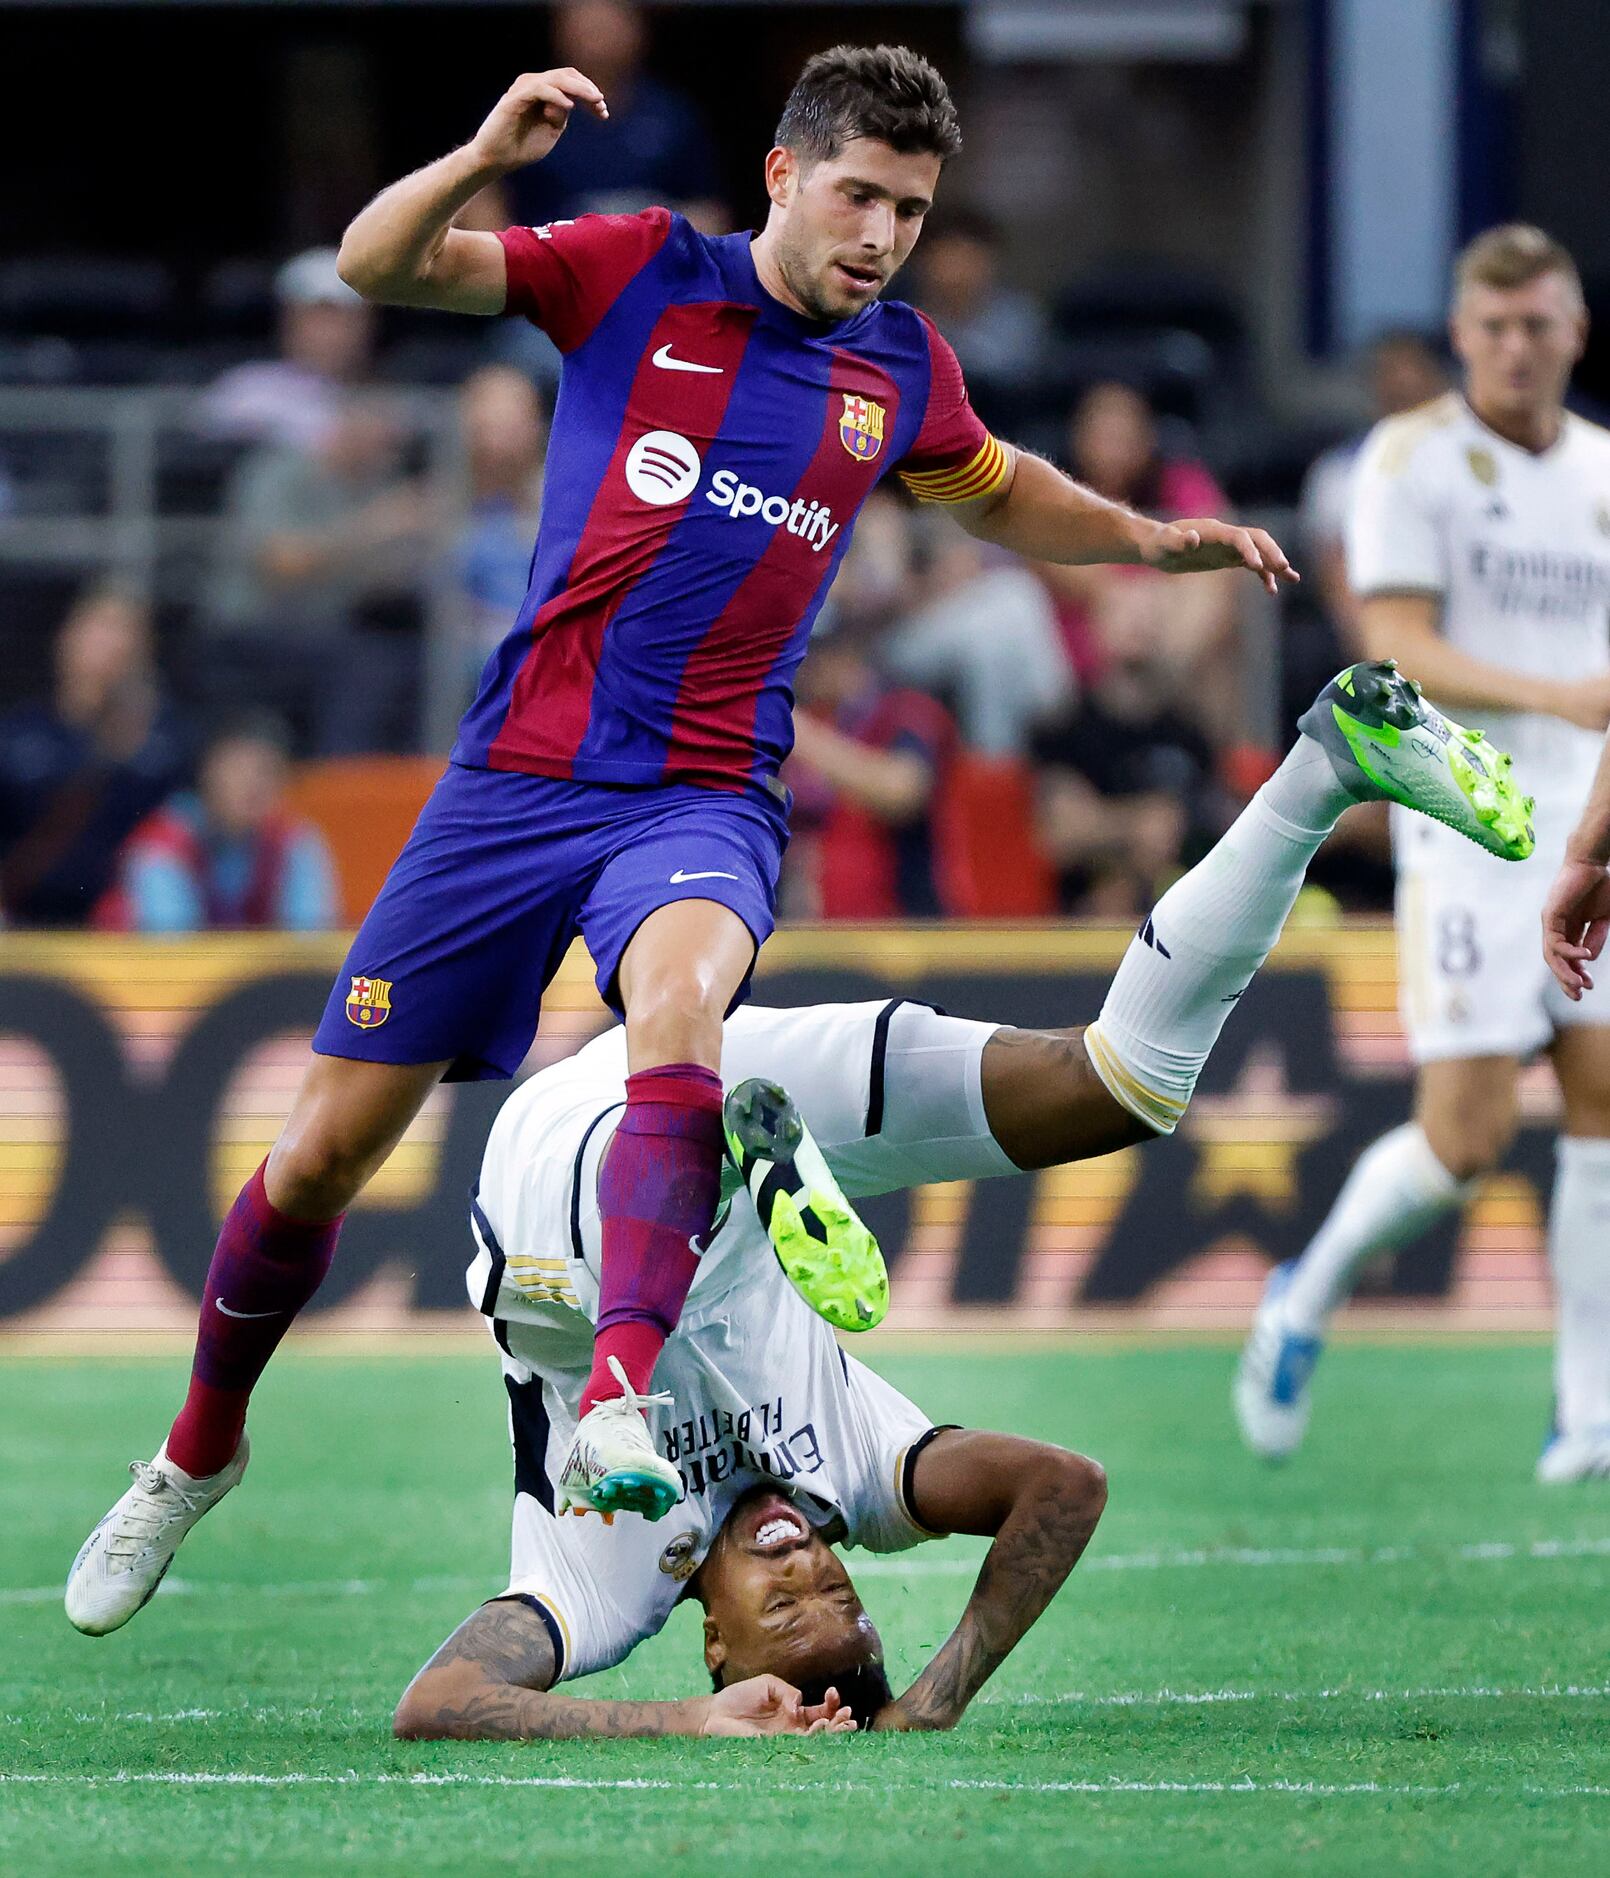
(861, 427)
(369, 1002)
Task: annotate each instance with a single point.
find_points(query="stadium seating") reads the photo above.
(364, 807)
(992, 863)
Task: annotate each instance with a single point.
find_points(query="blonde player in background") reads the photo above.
(1479, 545)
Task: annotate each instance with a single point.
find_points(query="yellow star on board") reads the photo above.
(1249, 1138)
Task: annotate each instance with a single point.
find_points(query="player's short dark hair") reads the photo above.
(887, 92)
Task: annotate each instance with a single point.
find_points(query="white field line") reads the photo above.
(1312, 1789)
(351, 1715)
(1196, 1698)
(1485, 1552)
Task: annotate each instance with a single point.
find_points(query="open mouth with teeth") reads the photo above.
(774, 1525)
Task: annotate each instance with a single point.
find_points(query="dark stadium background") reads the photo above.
(161, 161)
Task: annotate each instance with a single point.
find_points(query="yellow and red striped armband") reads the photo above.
(979, 476)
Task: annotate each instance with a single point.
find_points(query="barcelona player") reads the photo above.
(725, 408)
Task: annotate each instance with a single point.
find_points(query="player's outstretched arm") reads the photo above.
(492, 1681)
(403, 250)
(1407, 627)
(1576, 914)
(1040, 1504)
(1047, 516)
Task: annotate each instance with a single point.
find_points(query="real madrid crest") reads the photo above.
(677, 1560)
(1483, 465)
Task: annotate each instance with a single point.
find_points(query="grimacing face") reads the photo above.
(777, 1599)
(844, 225)
(1519, 344)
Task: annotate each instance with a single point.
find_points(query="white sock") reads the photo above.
(1579, 1251)
(1205, 939)
(1396, 1190)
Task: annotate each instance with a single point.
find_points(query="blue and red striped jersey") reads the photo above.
(709, 453)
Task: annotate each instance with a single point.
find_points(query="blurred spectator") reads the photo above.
(314, 602)
(326, 334)
(869, 762)
(228, 856)
(77, 774)
(983, 636)
(1114, 446)
(504, 435)
(1404, 369)
(652, 148)
(1125, 777)
(998, 332)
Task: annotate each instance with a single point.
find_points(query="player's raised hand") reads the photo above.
(1202, 546)
(766, 1705)
(530, 117)
(1576, 921)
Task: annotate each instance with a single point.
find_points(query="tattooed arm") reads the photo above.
(1040, 1504)
(492, 1681)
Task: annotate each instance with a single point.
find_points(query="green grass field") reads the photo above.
(1393, 1656)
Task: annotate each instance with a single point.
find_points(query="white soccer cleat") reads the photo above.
(1568, 1458)
(1271, 1382)
(613, 1466)
(126, 1557)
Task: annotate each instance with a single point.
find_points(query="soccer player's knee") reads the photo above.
(1471, 1142)
(680, 997)
(316, 1174)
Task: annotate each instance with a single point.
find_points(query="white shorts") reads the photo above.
(1472, 980)
(892, 1091)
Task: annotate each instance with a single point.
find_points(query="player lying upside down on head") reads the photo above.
(767, 1444)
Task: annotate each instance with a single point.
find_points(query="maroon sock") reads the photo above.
(657, 1191)
(265, 1268)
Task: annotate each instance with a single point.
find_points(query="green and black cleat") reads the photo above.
(826, 1252)
(1389, 743)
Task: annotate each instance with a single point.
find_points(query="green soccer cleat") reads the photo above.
(826, 1253)
(1388, 743)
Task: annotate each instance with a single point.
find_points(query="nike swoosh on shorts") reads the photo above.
(229, 1313)
(709, 873)
(666, 363)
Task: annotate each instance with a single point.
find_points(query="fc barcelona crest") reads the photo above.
(861, 427)
(369, 1002)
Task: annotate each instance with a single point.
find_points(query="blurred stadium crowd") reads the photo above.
(307, 523)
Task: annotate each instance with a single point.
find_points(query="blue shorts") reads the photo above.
(501, 873)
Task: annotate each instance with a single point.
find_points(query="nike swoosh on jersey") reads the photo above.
(229, 1313)
(666, 363)
(709, 873)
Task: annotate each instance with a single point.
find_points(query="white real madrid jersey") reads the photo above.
(762, 1391)
(1517, 548)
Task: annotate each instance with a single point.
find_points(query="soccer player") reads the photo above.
(783, 1444)
(897, 1095)
(1479, 546)
(726, 406)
